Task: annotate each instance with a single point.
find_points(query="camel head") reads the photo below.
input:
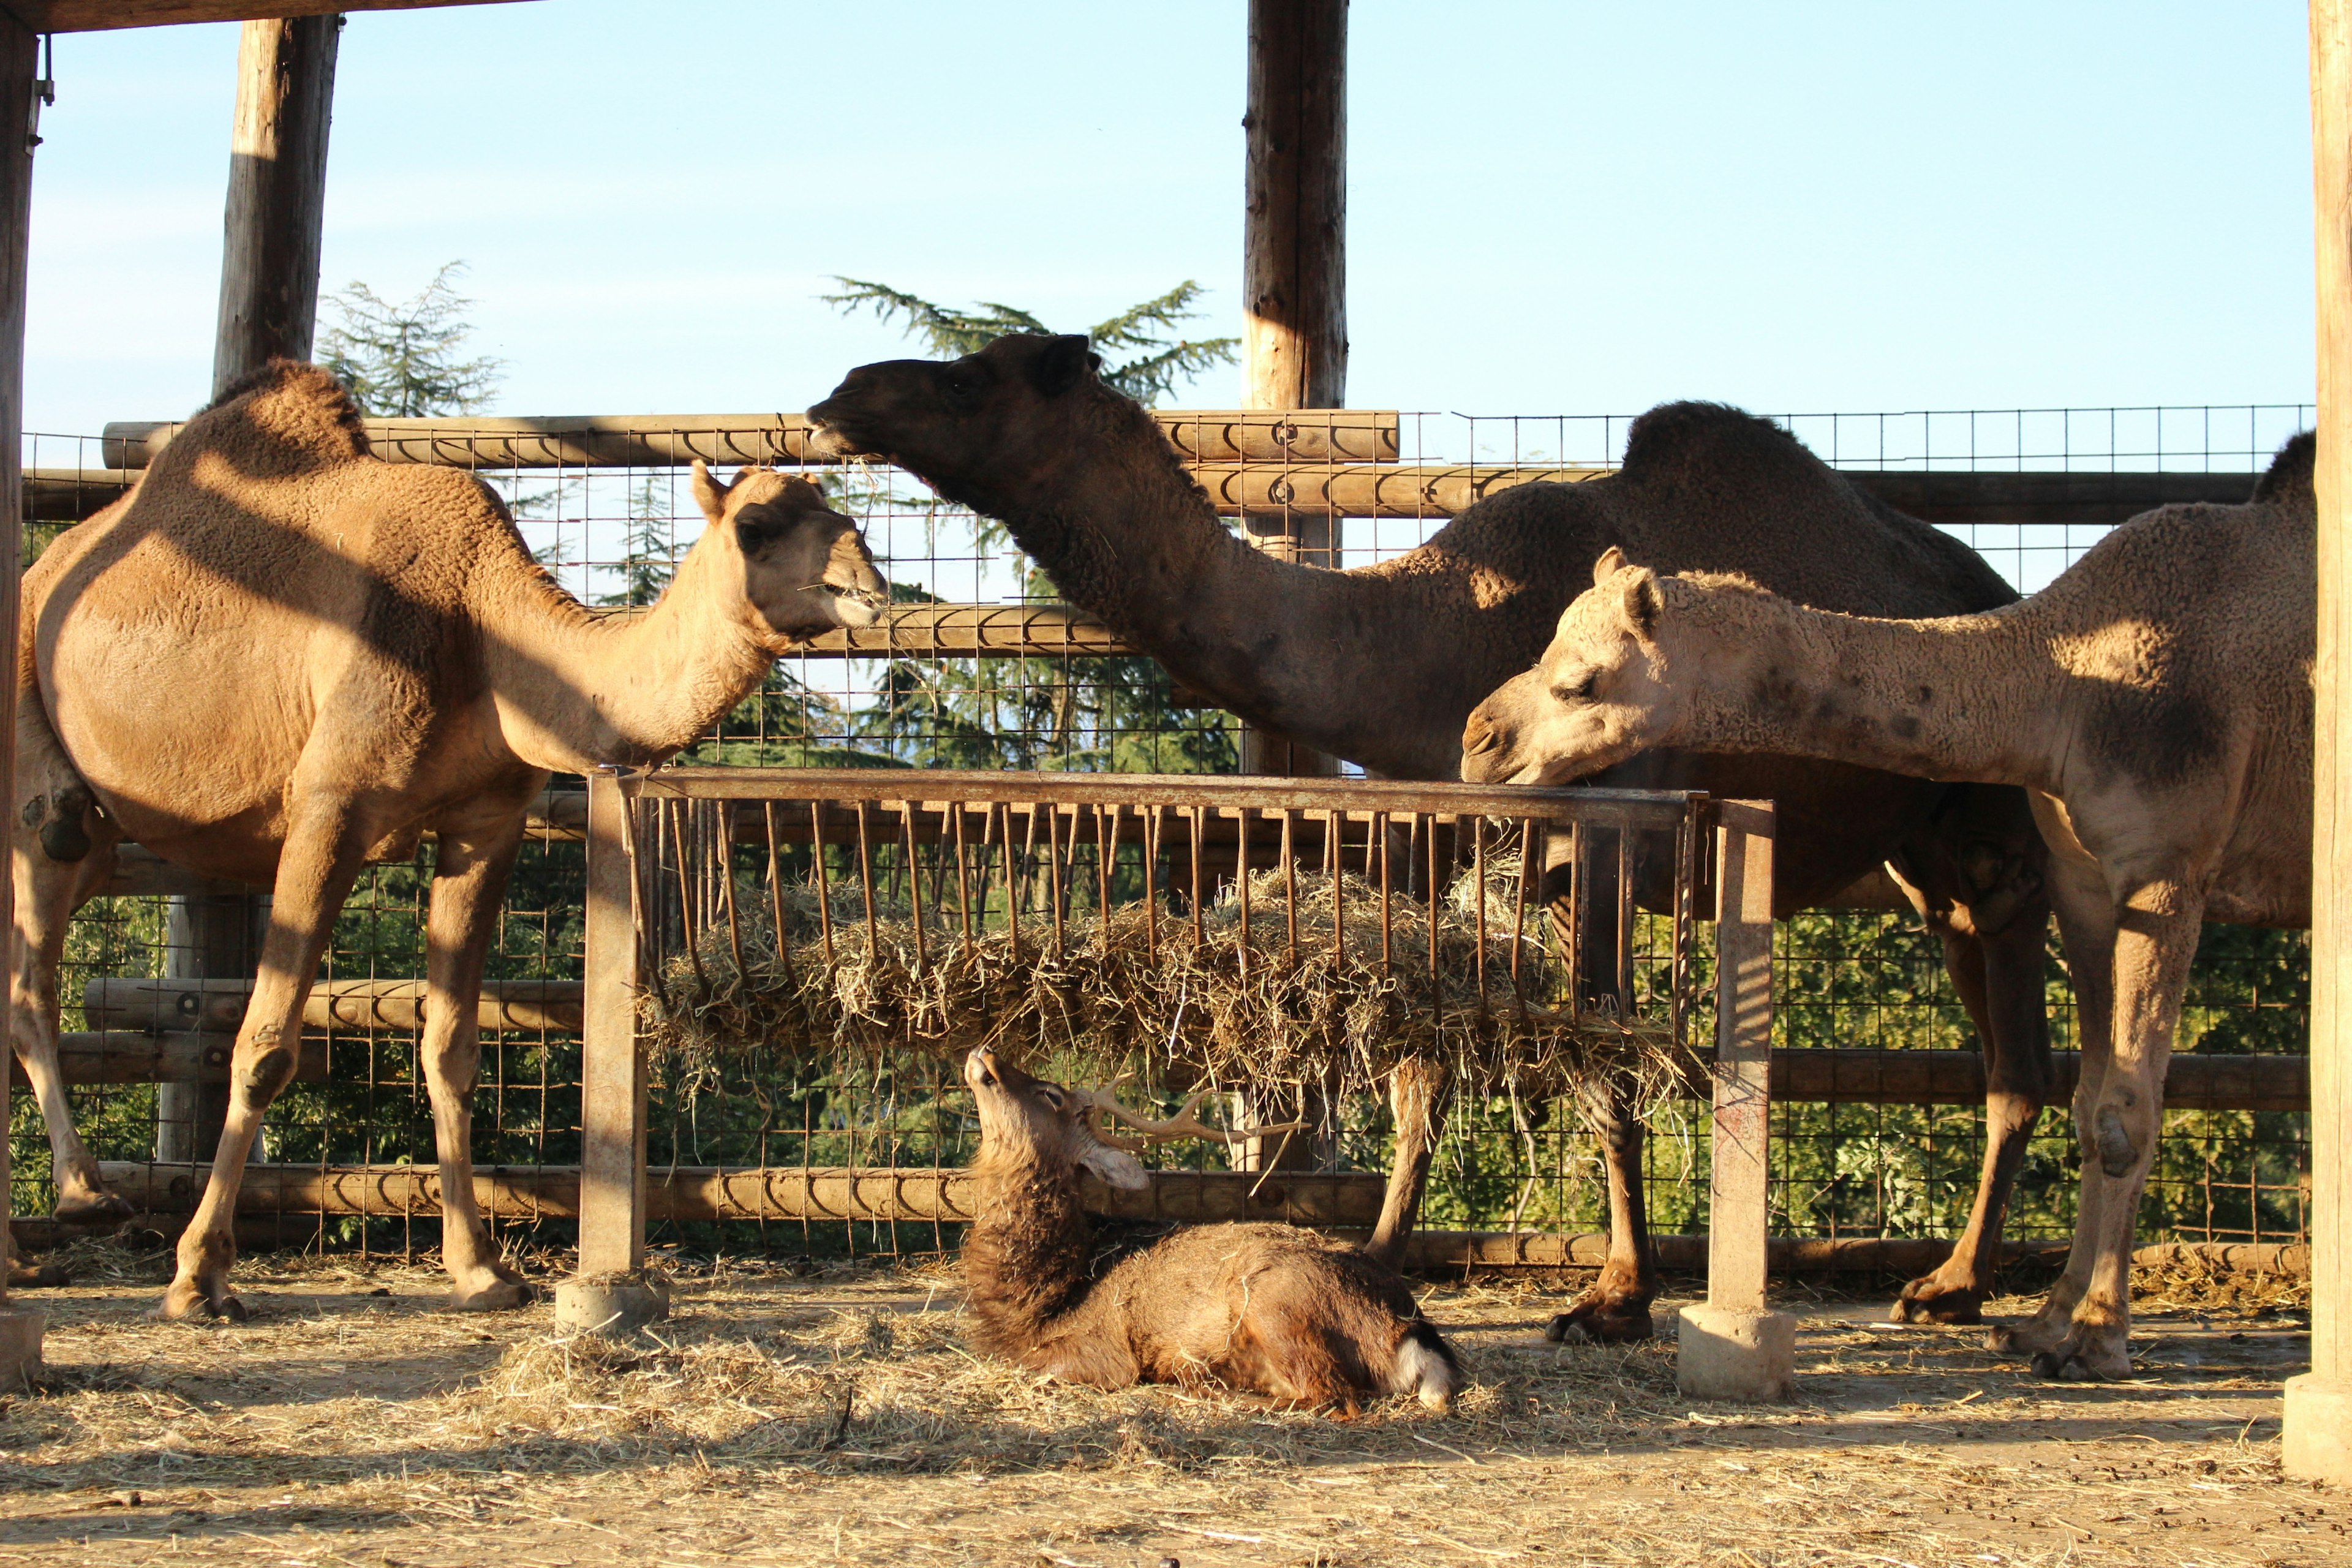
(965, 426)
(1603, 690)
(805, 567)
(1028, 1121)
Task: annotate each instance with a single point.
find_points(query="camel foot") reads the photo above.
(1602, 1323)
(101, 1207)
(47, 1277)
(2035, 1336)
(1929, 1300)
(2089, 1362)
(503, 1292)
(188, 1301)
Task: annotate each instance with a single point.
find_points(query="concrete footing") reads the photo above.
(1732, 1352)
(610, 1303)
(2319, 1430)
(20, 1346)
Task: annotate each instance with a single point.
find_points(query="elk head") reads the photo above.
(1057, 1127)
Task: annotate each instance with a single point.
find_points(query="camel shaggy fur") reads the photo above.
(2156, 702)
(280, 660)
(1382, 664)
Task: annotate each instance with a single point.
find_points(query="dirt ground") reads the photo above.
(837, 1419)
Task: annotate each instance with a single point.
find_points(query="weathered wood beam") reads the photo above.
(673, 440)
(106, 15)
(20, 1332)
(1295, 222)
(276, 219)
(215, 1006)
(122, 1055)
(1433, 1250)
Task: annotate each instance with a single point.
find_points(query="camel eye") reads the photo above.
(1579, 690)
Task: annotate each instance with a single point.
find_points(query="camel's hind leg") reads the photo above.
(326, 842)
(469, 885)
(62, 853)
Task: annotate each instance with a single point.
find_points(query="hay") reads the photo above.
(1158, 1002)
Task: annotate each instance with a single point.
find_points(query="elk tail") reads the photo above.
(1425, 1366)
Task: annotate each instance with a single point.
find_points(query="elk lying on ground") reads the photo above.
(1265, 1308)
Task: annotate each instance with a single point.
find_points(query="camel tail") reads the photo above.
(1425, 1367)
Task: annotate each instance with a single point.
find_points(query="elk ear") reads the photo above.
(1059, 367)
(1611, 561)
(1117, 1167)
(707, 493)
(1644, 606)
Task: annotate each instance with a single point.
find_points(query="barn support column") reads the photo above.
(1734, 1346)
(272, 232)
(20, 1328)
(1294, 355)
(2318, 1436)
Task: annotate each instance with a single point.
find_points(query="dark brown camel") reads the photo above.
(1382, 666)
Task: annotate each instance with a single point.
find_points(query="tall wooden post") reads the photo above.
(20, 1329)
(272, 231)
(1735, 1347)
(2319, 1404)
(1295, 268)
(276, 195)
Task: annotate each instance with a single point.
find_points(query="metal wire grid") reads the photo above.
(1858, 979)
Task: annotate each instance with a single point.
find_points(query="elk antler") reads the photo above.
(1183, 1124)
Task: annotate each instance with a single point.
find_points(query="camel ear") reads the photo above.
(1064, 360)
(1644, 606)
(707, 493)
(1611, 561)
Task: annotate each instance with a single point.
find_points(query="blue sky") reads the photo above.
(1554, 207)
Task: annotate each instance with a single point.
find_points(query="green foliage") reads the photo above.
(405, 359)
(1161, 360)
(648, 564)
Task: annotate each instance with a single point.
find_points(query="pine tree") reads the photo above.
(403, 359)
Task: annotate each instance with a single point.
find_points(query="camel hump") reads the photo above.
(2288, 480)
(287, 414)
(1675, 437)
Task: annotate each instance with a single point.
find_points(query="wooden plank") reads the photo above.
(120, 1056)
(945, 1195)
(927, 631)
(69, 495)
(105, 15)
(612, 1066)
(1738, 1208)
(19, 110)
(277, 195)
(1900, 1257)
(2317, 1436)
(217, 1006)
(1281, 436)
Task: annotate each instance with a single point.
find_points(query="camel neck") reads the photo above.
(577, 690)
(1126, 534)
(1967, 699)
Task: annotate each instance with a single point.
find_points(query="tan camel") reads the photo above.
(2156, 702)
(1381, 665)
(280, 658)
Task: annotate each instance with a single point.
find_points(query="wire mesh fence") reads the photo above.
(611, 534)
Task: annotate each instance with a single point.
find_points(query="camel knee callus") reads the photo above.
(2154, 702)
(278, 658)
(1262, 1308)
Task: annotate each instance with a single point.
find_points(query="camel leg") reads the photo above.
(325, 845)
(469, 885)
(1999, 980)
(2155, 942)
(1615, 1307)
(2086, 927)
(1421, 1090)
(62, 851)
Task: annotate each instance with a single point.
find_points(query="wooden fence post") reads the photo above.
(20, 1328)
(1734, 1347)
(2318, 1420)
(610, 1291)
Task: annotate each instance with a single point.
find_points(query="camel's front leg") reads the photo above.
(469, 886)
(1419, 1090)
(2156, 929)
(2000, 978)
(324, 848)
(1615, 1307)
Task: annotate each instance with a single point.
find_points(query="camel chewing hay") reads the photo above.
(1164, 1005)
